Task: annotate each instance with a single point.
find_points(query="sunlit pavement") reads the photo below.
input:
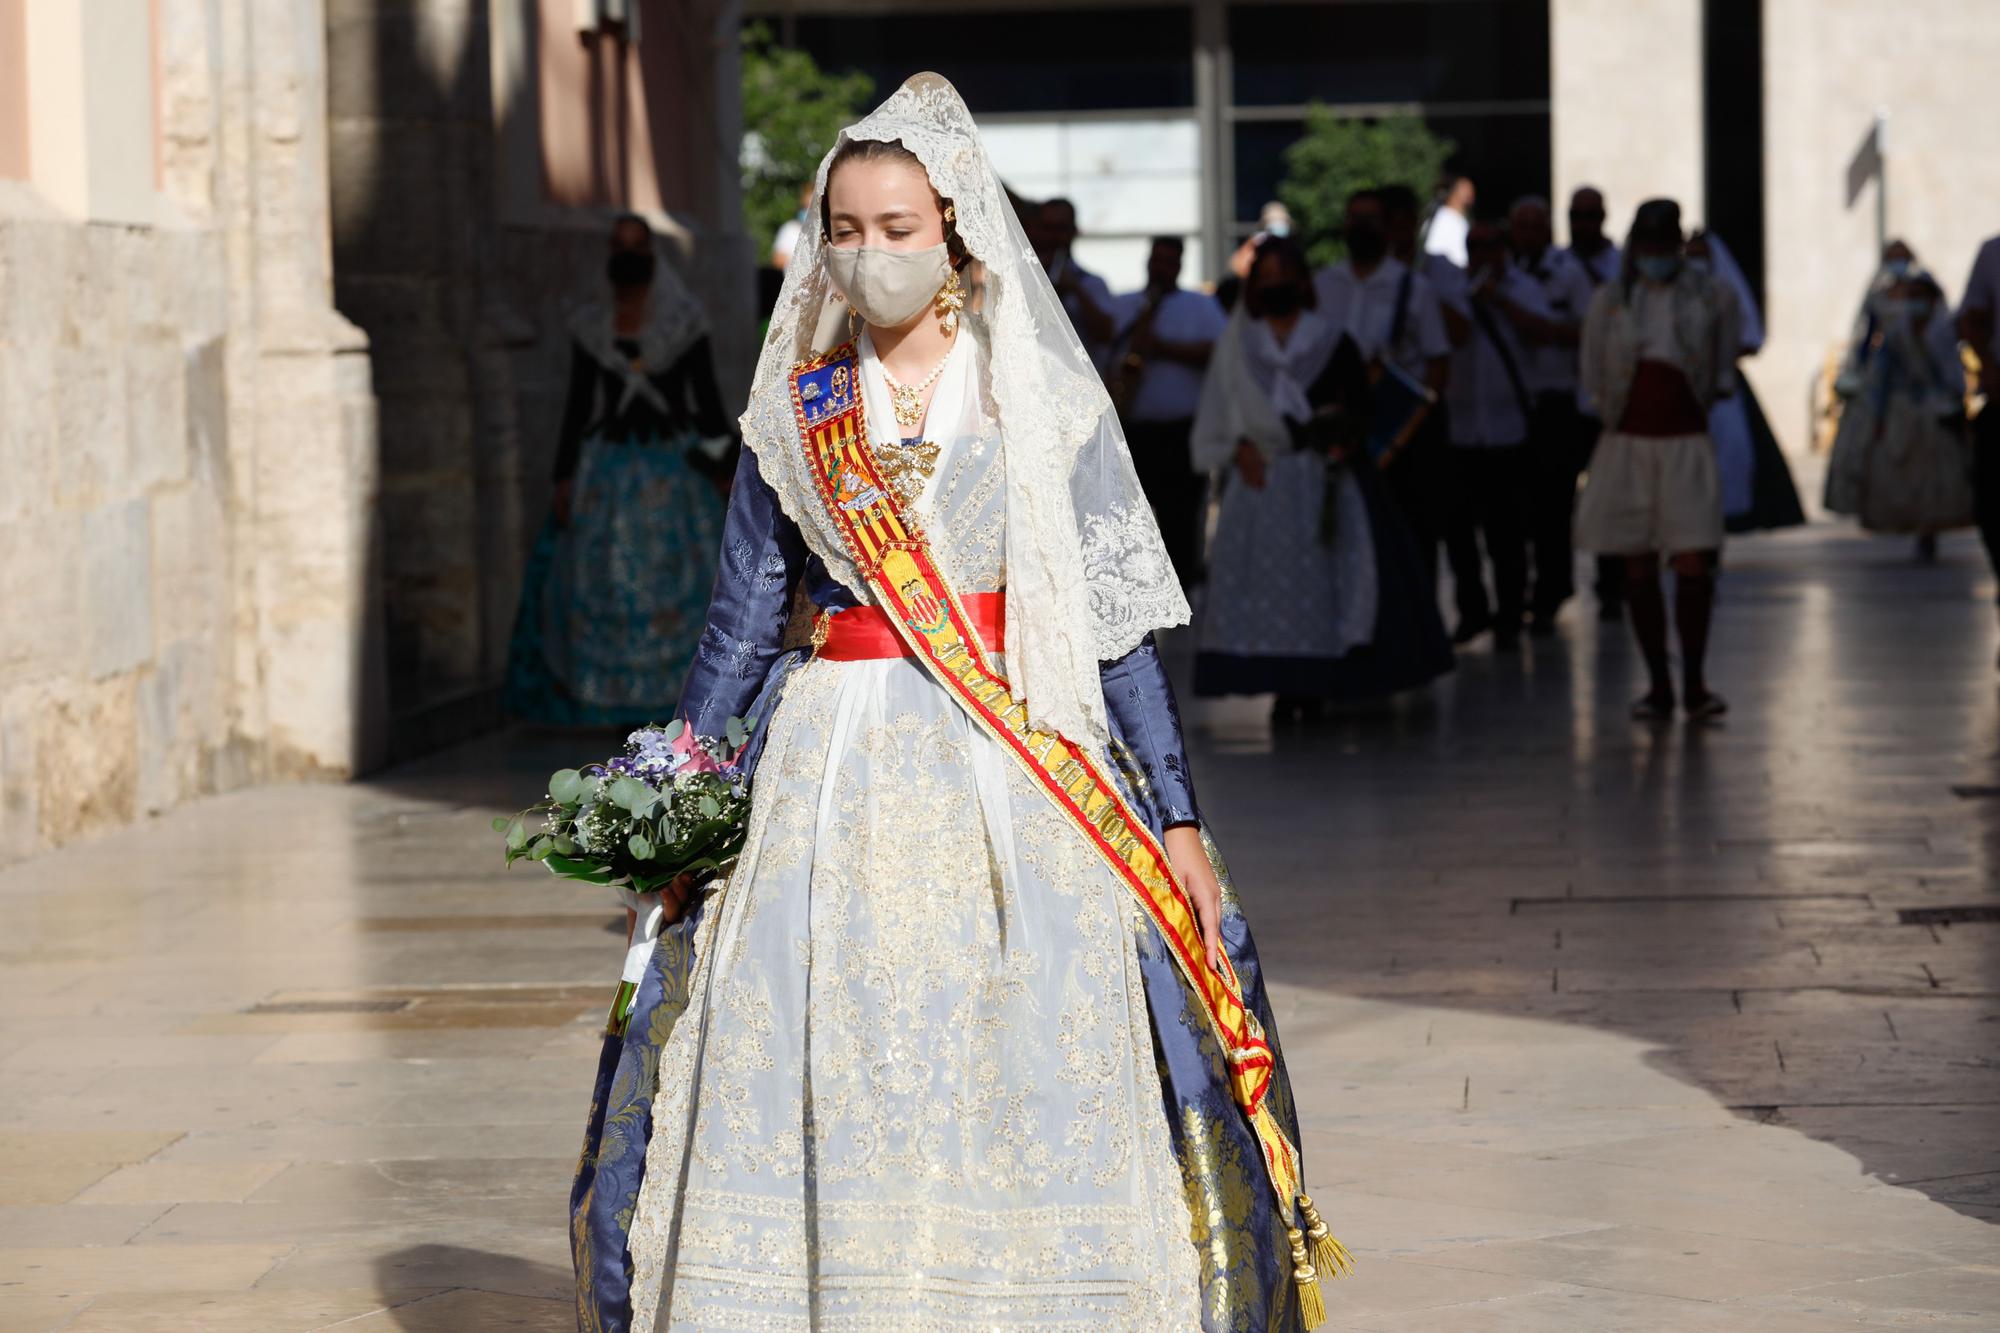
(1596, 1026)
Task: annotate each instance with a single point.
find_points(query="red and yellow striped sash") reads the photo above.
(928, 614)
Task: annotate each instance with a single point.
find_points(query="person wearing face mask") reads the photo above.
(616, 583)
(1559, 441)
(1898, 259)
(1902, 459)
(1757, 489)
(1659, 349)
(1166, 334)
(1979, 326)
(1394, 317)
(1491, 415)
(1601, 262)
(1316, 592)
(1086, 298)
(971, 1022)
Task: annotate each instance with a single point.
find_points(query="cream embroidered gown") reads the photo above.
(915, 1087)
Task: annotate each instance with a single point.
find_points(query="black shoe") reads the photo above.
(1468, 630)
(1653, 708)
(1506, 638)
(1708, 706)
(1542, 625)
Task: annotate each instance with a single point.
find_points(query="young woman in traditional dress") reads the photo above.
(1659, 351)
(973, 1034)
(617, 581)
(1317, 591)
(1902, 461)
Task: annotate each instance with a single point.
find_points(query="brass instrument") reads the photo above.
(1131, 366)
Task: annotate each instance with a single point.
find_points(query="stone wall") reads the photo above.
(186, 433)
(1829, 65)
(451, 252)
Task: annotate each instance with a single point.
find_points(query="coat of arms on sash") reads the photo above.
(927, 613)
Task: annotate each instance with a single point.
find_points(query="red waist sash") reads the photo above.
(864, 633)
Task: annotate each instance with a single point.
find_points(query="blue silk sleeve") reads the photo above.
(1146, 719)
(763, 556)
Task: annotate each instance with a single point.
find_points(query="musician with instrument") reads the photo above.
(1165, 335)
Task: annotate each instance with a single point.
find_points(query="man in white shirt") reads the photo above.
(1602, 263)
(1555, 433)
(1450, 223)
(1979, 325)
(1085, 297)
(1491, 407)
(1416, 479)
(1164, 335)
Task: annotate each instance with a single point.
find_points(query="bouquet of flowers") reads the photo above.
(674, 803)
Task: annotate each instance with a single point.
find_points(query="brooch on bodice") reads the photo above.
(906, 467)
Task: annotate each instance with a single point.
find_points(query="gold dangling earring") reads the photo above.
(951, 296)
(950, 300)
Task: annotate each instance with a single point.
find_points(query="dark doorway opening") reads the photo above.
(1733, 131)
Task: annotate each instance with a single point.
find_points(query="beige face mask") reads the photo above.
(888, 288)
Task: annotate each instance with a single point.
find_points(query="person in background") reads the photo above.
(1490, 469)
(1559, 443)
(1659, 347)
(617, 584)
(1394, 317)
(787, 237)
(1899, 461)
(1757, 489)
(1979, 326)
(1452, 220)
(1085, 297)
(1898, 259)
(1590, 247)
(1273, 219)
(1423, 489)
(1588, 244)
(1165, 335)
(1315, 592)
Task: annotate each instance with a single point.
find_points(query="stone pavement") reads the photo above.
(1595, 1026)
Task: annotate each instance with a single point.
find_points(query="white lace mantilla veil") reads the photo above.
(1087, 575)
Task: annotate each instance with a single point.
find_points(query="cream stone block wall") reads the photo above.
(1829, 65)
(1625, 86)
(186, 425)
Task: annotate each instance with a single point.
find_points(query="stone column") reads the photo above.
(1625, 95)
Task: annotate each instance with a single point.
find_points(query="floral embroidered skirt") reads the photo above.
(612, 604)
(915, 1084)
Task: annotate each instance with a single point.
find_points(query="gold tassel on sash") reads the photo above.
(1312, 1306)
(1329, 1256)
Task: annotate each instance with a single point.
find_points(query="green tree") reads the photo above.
(1338, 155)
(792, 110)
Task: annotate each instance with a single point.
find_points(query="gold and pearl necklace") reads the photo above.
(907, 400)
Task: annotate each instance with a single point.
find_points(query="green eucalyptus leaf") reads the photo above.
(500, 823)
(566, 786)
(567, 867)
(639, 846)
(672, 731)
(737, 735)
(565, 845)
(517, 834)
(710, 807)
